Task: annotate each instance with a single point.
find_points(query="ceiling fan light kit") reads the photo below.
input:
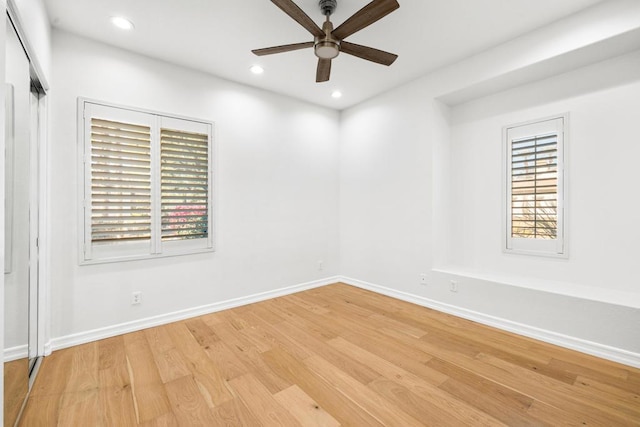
(328, 43)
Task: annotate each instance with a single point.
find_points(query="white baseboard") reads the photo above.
(136, 325)
(574, 343)
(15, 353)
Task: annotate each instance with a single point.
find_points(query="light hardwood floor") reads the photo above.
(331, 356)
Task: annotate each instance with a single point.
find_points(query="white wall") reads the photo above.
(421, 193)
(385, 188)
(602, 172)
(276, 195)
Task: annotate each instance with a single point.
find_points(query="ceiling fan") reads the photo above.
(328, 43)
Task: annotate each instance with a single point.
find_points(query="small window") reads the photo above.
(147, 188)
(535, 187)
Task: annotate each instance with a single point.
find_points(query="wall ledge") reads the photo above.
(591, 293)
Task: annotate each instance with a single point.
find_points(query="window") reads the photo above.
(535, 187)
(147, 188)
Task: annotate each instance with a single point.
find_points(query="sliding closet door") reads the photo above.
(34, 222)
(17, 226)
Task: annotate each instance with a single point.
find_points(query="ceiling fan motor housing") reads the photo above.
(327, 47)
(328, 6)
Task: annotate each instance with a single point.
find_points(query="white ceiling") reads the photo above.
(217, 36)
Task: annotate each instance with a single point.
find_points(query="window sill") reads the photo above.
(112, 260)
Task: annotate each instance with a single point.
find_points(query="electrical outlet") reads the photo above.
(453, 286)
(423, 279)
(136, 298)
(320, 265)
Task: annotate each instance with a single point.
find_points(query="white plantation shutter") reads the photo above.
(535, 187)
(120, 181)
(184, 184)
(147, 187)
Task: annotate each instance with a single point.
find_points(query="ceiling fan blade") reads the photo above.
(324, 70)
(368, 53)
(291, 9)
(281, 49)
(366, 16)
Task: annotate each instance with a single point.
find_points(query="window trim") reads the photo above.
(557, 248)
(129, 252)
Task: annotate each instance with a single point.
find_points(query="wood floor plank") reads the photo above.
(607, 375)
(41, 410)
(308, 305)
(426, 389)
(264, 407)
(376, 405)
(83, 374)
(206, 374)
(201, 332)
(271, 337)
(473, 344)
(311, 327)
(382, 321)
(228, 363)
(551, 391)
(234, 319)
(540, 387)
(159, 339)
(115, 407)
(431, 413)
(189, 405)
(616, 393)
(233, 413)
(171, 365)
(250, 357)
(335, 355)
(149, 395)
(338, 405)
(400, 354)
(79, 408)
(386, 368)
(264, 312)
(304, 408)
(112, 364)
(357, 370)
(166, 420)
(553, 416)
(503, 403)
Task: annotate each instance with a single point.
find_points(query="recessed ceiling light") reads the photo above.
(256, 69)
(122, 23)
(336, 94)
